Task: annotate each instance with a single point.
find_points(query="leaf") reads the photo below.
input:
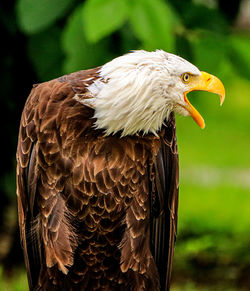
(79, 53)
(35, 15)
(152, 22)
(46, 54)
(101, 17)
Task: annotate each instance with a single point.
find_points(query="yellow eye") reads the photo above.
(185, 77)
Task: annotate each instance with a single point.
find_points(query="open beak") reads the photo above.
(204, 82)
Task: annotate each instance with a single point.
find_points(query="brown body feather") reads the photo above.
(95, 212)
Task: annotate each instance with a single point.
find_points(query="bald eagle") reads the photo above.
(97, 173)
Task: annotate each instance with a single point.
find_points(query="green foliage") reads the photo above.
(96, 31)
(84, 40)
(79, 53)
(35, 15)
(152, 22)
(101, 18)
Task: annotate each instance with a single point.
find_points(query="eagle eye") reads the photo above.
(185, 77)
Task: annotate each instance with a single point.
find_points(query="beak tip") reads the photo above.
(222, 98)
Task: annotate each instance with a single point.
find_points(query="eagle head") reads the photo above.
(137, 92)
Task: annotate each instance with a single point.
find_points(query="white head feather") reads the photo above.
(137, 91)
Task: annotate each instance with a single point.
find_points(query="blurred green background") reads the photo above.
(43, 39)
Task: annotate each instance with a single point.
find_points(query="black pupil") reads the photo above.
(186, 77)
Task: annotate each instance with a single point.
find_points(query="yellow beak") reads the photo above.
(205, 82)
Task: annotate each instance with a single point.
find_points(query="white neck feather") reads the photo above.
(133, 93)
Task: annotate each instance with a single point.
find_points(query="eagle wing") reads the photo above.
(26, 189)
(164, 203)
(38, 189)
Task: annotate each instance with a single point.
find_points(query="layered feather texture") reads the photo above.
(96, 211)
